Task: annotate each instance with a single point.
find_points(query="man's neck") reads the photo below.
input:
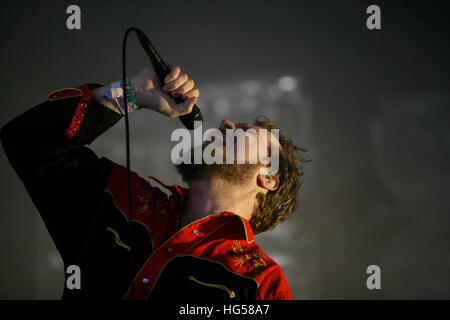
(214, 196)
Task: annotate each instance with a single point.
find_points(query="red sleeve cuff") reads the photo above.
(80, 111)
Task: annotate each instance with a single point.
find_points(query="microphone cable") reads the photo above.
(188, 120)
(127, 151)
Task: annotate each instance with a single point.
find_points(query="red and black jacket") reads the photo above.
(83, 202)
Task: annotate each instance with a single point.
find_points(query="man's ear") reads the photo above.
(268, 182)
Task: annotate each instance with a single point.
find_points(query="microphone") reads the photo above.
(162, 71)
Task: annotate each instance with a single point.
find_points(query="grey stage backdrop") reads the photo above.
(371, 107)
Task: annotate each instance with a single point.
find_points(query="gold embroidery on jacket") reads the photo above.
(213, 285)
(117, 238)
(149, 202)
(247, 257)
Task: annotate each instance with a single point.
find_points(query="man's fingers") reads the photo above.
(174, 73)
(175, 84)
(191, 93)
(184, 88)
(186, 107)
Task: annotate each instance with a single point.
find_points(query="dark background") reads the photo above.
(371, 107)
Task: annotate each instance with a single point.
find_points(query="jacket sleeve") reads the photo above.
(63, 177)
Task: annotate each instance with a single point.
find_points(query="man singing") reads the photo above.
(196, 243)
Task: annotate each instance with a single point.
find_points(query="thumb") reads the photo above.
(185, 107)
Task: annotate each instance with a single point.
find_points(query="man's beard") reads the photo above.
(238, 174)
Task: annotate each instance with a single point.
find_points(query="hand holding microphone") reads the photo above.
(174, 97)
(165, 74)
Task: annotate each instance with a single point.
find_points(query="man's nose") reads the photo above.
(227, 124)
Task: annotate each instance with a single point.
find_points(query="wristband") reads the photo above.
(116, 93)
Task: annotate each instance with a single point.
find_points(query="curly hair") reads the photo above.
(277, 206)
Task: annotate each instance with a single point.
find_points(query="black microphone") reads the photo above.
(162, 71)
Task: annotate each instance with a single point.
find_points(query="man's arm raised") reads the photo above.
(65, 178)
(151, 94)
